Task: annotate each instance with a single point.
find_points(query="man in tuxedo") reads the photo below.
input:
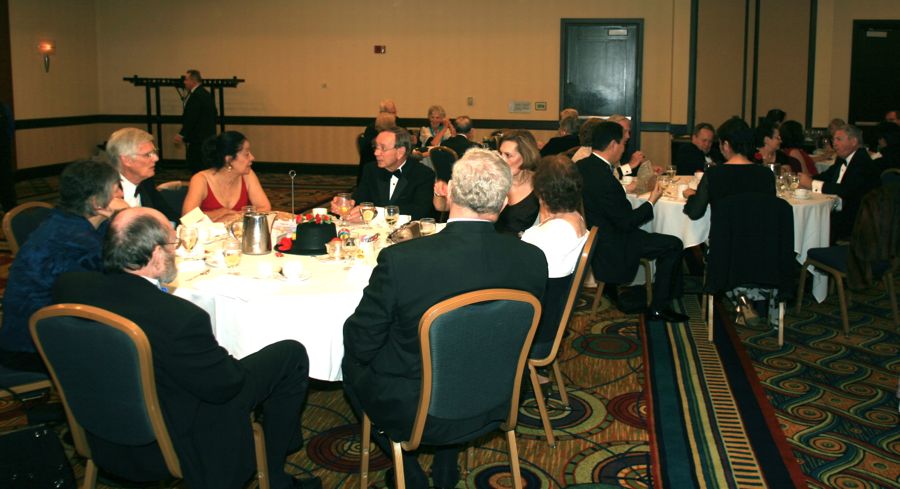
(852, 176)
(198, 120)
(382, 361)
(206, 395)
(567, 139)
(694, 157)
(634, 157)
(394, 180)
(132, 152)
(621, 243)
(461, 142)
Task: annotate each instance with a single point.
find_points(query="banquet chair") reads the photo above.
(544, 353)
(174, 193)
(474, 347)
(873, 252)
(21, 382)
(751, 243)
(648, 283)
(21, 221)
(102, 366)
(890, 176)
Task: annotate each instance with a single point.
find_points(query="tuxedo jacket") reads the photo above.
(689, 159)
(382, 359)
(861, 176)
(150, 197)
(197, 380)
(606, 206)
(460, 144)
(559, 144)
(413, 193)
(199, 117)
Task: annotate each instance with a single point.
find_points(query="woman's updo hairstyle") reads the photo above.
(217, 148)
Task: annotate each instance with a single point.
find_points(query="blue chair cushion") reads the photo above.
(11, 378)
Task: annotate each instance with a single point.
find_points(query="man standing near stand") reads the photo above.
(198, 120)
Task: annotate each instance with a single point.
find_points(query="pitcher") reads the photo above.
(255, 232)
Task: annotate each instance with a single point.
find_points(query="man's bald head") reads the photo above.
(133, 236)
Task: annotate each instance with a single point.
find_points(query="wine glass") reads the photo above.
(391, 215)
(232, 255)
(795, 182)
(344, 205)
(368, 212)
(426, 226)
(188, 236)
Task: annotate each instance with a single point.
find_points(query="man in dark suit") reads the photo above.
(382, 361)
(567, 139)
(206, 395)
(394, 180)
(852, 176)
(132, 152)
(461, 142)
(198, 120)
(694, 157)
(621, 243)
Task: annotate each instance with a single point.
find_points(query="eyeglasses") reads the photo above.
(148, 154)
(175, 243)
(381, 148)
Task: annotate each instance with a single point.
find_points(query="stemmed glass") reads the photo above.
(188, 236)
(391, 215)
(344, 203)
(232, 255)
(368, 212)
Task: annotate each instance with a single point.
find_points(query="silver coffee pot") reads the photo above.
(254, 232)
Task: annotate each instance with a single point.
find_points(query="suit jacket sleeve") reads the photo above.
(857, 178)
(605, 200)
(200, 365)
(150, 197)
(366, 331)
(695, 207)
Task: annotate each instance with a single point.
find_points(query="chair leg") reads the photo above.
(710, 315)
(515, 471)
(801, 285)
(560, 384)
(399, 476)
(364, 444)
(90, 475)
(892, 294)
(780, 324)
(843, 300)
(262, 462)
(600, 286)
(542, 407)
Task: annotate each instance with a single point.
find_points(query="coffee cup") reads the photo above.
(319, 211)
(627, 180)
(801, 193)
(292, 269)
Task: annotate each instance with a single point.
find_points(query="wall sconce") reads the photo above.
(46, 48)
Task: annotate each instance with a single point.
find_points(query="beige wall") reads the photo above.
(315, 59)
(834, 38)
(783, 52)
(720, 51)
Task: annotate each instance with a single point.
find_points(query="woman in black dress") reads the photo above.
(519, 150)
(739, 173)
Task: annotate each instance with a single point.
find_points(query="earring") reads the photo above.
(229, 167)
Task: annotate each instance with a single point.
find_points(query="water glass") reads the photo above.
(391, 215)
(426, 226)
(368, 212)
(344, 204)
(188, 236)
(232, 254)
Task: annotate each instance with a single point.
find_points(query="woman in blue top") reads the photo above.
(69, 239)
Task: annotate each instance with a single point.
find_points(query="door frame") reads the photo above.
(638, 23)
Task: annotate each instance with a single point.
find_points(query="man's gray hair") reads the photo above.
(480, 181)
(130, 245)
(123, 142)
(401, 138)
(463, 124)
(569, 124)
(852, 131)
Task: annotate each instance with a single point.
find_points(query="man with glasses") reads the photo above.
(132, 152)
(392, 181)
(206, 395)
(198, 120)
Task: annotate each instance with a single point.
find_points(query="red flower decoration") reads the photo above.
(286, 243)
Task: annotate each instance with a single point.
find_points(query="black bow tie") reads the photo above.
(395, 173)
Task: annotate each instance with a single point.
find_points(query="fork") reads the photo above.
(192, 277)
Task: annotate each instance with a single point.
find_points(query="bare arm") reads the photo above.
(195, 194)
(255, 192)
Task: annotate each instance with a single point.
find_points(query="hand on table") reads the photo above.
(805, 181)
(688, 192)
(656, 193)
(335, 208)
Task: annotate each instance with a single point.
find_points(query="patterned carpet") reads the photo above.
(835, 396)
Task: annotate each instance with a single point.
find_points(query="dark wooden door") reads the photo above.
(874, 72)
(600, 71)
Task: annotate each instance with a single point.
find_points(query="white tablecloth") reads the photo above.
(249, 313)
(812, 227)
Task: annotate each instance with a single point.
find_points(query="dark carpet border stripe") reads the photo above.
(779, 466)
